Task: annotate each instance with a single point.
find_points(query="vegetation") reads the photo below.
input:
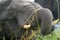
(53, 36)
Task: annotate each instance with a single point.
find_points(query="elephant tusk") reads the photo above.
(55, 22)
(26, 26)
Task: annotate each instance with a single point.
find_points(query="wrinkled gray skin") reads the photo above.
(18, 11)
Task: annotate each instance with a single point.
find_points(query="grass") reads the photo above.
(53, 36)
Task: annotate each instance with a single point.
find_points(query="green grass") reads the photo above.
(53, 36)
